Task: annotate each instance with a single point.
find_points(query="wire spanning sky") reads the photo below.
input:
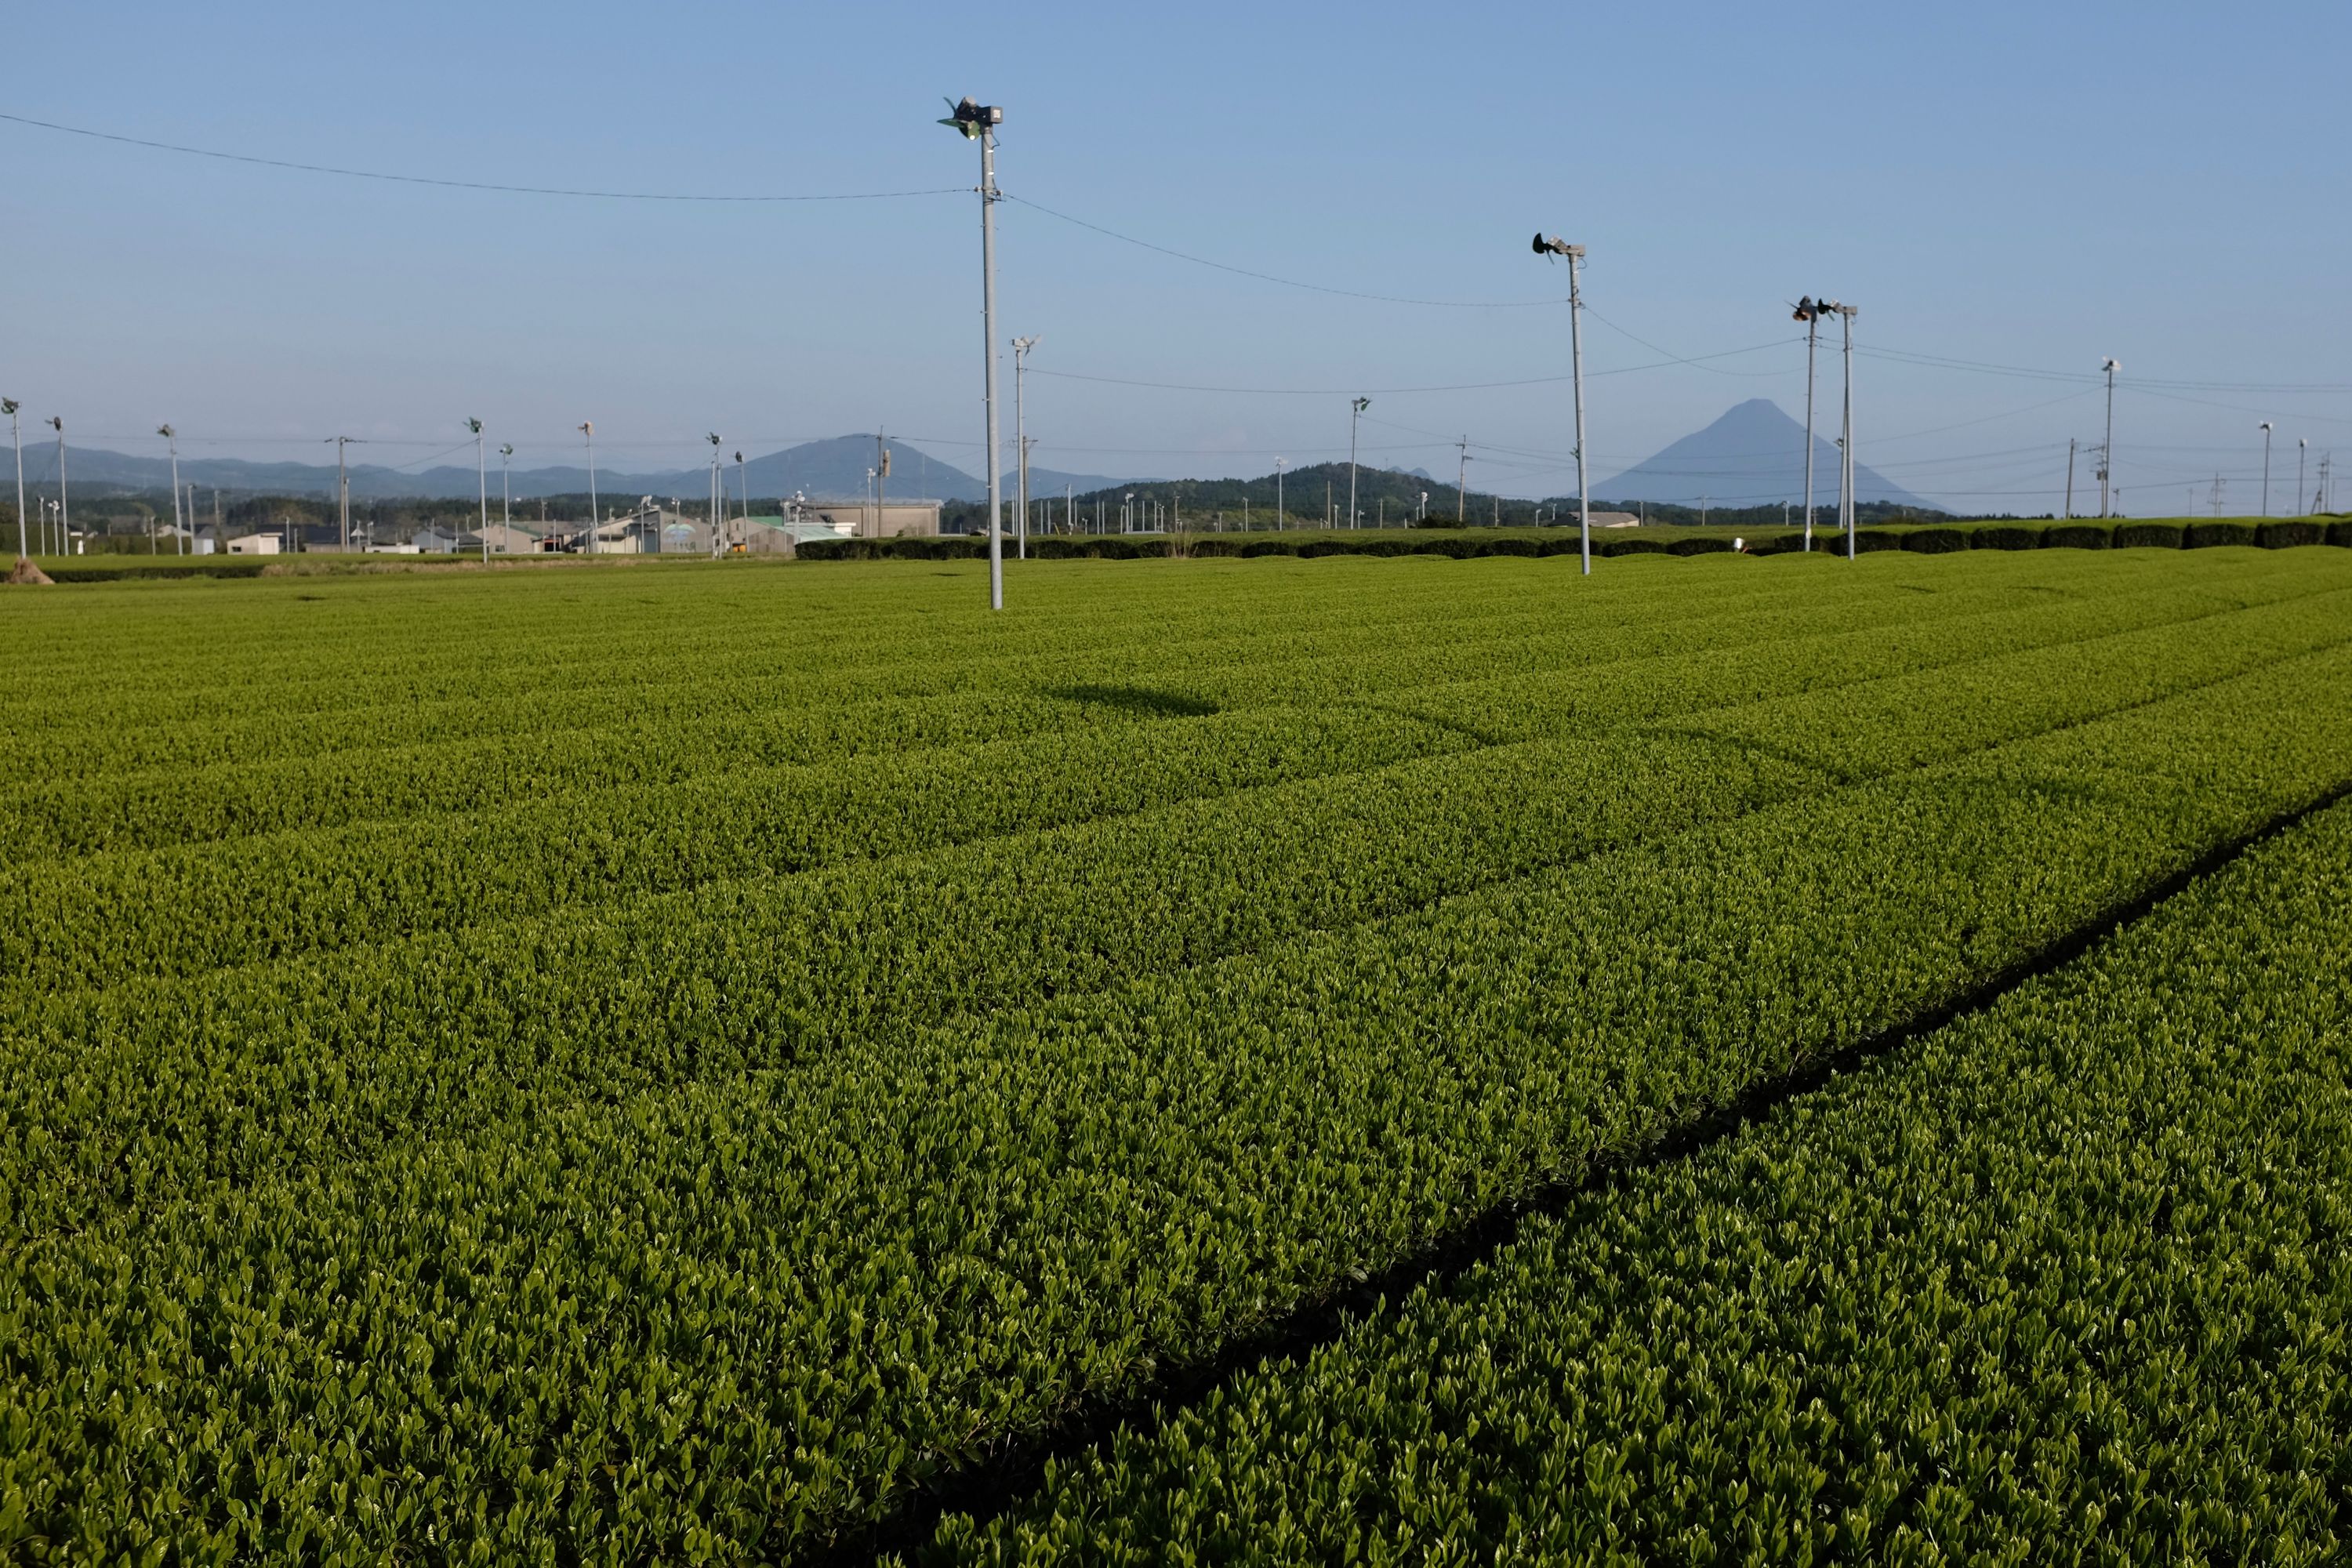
(1225, 221)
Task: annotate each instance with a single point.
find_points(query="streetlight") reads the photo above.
(11, 407)
(506, 501)
(1021, 347)
(1556, 246)
(2107, 450)
(2266, 467)
(588, 429)
(1355, 412)
(978, 122)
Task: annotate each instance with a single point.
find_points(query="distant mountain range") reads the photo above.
(832, 470)
(1753, 455)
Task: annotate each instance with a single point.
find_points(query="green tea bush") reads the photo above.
(2078, 536)
(2005, 536)
(2290, 536)
(1935, 540)
(2208, 535)
(2148, 535)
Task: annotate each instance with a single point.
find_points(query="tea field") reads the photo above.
(735, 1063)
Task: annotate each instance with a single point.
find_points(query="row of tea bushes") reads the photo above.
(2064, 1281)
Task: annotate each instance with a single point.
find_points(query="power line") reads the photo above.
(465, 184)
(1391, 391)
(1287, 282)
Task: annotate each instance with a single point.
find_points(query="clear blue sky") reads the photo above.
(2019, 186)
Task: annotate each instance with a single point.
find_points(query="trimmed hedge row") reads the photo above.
(94, 572)
(1469, 543)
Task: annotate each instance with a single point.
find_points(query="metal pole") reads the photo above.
(2107, 450)
(343, 497)
(2300, 443)
(1461, 478)
(1576, 356)
(65, 507)
(1277, 495)
(588, 429)
(988, 337)
(16, 439)
(505, 499)
(1355, 412)
(881, 477)
(1845, 465)
(1812, 328)
(1021, 347)
(2070, 479)
(171, 442)
(2266, 467)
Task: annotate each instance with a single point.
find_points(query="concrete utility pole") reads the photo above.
(1556, 246)
(881, 475)
(1277, 496)
(1021, 347)
(505, 499)
(978, 122)
(1356, 412)
(2300, 443)
(1461, 480)
(2108, 447)
(14, 410)
(2070, 479)
(342, 493)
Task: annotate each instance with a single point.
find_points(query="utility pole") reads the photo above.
(1277, 496)
(14, 410)
(978, 122)
(1461, 482)
(505, 499)
(2070, 479)
(171, 442)
(2300, 443)
(342, 493)
(2107, 449)
(1355, 412)
(1702, 512)
(743, 483)
(2266, 467)
(1556, 246)
(1330, 511)
(588, 430)
(2218, 489)
(881, 477)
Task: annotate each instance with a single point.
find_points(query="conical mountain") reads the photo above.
(1753, 455)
